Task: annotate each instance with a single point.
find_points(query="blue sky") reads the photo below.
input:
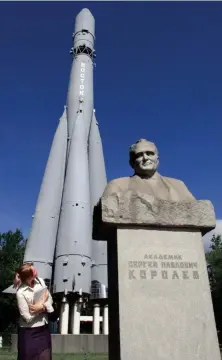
(158, 75)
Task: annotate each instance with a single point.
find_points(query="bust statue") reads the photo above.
(144, 159)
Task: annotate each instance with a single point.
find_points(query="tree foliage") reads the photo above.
(214, 260)
(12, 245)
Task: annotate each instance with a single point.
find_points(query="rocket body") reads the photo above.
(74, 180)
(81, 77)
(73, 260)
(73, 250)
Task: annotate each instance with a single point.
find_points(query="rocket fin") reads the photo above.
(98, 181)
(10, 290)
(42, 239)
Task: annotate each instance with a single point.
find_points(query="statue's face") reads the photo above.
(146, 159)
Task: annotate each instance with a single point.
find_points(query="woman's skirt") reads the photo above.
(34, 343)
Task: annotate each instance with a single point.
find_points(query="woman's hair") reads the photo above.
(25, 272)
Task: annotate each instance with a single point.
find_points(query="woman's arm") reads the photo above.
(40, 306)
(24, 308)
(49, 301)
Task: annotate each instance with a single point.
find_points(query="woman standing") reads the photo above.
(34, 339)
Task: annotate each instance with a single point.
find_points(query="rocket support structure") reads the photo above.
(60, 243)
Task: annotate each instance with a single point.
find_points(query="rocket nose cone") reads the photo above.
(85, 12)
(85, 21)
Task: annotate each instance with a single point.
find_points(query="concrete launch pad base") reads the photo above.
(73, 344)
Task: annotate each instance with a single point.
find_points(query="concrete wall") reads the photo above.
(84, 343)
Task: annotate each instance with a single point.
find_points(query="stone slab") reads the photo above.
(73, 344)
(133, 207)
(161, 306)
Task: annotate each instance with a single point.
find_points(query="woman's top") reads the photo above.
(24, 297)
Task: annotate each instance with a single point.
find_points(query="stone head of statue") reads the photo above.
(144, 158)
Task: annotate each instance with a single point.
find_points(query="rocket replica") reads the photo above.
(60, 243)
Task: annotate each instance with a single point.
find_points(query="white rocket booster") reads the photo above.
(42, 239)
(98, 181)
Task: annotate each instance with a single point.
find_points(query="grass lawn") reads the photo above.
(5, 355)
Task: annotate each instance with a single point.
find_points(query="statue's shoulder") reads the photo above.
(117, 185)
(173, 181)
(179, 186)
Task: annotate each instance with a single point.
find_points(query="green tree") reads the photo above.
(12, 245)
(216, 242)
(214, 260)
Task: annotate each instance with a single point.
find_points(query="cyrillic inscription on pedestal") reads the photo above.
(163, 267)
(165, 307)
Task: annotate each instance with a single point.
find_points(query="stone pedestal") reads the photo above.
(160, 305)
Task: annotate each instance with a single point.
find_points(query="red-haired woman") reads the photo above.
(34, 339)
